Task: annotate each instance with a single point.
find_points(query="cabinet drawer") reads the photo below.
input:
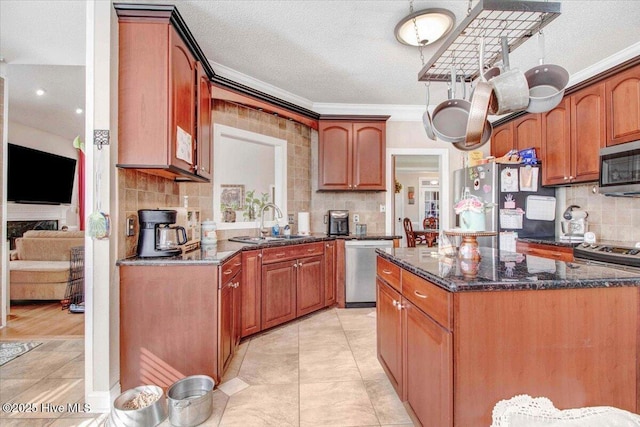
(291, 252)
(229, 269)
(389, 272)
(545, 251)
(431, 299)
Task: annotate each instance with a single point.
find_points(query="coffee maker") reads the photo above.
(338, 223)
(157, 237)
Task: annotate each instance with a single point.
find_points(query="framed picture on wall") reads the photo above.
(232, 195)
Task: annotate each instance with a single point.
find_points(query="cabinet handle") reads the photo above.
(395, 303)
(311, 250)
(566, 178)
(386, 271)
(299, 263)
(295, 265)
(260, 255)
(227, 272)
(237, 264)
(230, 285)
(237, 285)
(419, 295)
(571, 177)
(281, 254)
(327, 245)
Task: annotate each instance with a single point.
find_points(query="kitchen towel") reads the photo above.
(303, 223)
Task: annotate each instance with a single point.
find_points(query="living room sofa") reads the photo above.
(39, 266)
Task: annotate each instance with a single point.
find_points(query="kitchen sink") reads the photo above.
(259, 240)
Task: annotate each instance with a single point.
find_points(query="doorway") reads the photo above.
(421, 180)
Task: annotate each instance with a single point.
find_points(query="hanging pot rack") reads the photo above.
(517, 20)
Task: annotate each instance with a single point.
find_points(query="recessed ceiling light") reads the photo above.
(40, 92)
(433, 24)
(79, 110)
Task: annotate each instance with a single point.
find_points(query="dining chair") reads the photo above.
(431, 223)
(412, 238)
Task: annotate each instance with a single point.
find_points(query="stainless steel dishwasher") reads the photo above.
(360, 271)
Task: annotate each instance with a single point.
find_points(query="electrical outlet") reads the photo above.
(383, 208)
(356, 218)
(290, 218)
(131, 224)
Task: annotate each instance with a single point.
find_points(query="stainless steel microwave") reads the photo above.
(620, 170)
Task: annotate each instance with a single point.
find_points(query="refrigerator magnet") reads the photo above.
(476, 184)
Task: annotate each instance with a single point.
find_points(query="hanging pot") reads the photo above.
(510, 86)
(426, 120)
(476, 134)
(547, 83)
(450, 117)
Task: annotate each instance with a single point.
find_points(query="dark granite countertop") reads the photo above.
(552, 241)
(507, 271)
(225, 249)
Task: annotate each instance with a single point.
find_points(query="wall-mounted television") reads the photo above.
(34, 176)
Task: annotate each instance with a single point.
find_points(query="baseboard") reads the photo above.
(100, 401)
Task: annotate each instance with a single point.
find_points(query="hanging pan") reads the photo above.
(426, 119)
(547, 83)
(450, 117)
(478, 129)
(510, 86)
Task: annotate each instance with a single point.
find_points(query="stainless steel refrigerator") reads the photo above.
(521, 207)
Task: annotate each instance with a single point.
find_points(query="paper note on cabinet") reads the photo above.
(184, 146)
(509, 180)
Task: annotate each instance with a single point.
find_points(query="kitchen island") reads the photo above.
(454, 345)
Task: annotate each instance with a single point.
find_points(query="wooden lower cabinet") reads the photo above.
(168, 324)
(278, 293)
(389, 333)
(577, 347)
(329, 273)
(428, 367)
(229, 320)
(561, 253)
(251, 293)
(309, 285)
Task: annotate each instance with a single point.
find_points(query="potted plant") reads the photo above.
(252, 204)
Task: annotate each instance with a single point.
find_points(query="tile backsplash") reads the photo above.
(610, 218)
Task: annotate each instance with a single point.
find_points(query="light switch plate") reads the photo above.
(383, 208)
(356, 218)
(131, 224)
(290, 218)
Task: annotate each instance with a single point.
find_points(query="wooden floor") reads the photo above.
(42, 320)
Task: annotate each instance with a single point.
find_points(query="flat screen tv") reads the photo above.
(38, 177)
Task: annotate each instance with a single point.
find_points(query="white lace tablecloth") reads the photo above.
(526, 411)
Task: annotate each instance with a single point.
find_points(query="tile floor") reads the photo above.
(320, 370)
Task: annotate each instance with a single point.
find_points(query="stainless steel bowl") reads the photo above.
(149, 416)
(190, 400)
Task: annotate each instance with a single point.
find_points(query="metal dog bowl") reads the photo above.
(148, 416)
(190, 400)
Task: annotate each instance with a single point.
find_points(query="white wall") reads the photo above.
(27, 136)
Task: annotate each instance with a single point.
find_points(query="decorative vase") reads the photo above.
(472, 221)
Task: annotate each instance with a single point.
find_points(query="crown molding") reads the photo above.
(401, 113)
(605, 64)
(261, 86)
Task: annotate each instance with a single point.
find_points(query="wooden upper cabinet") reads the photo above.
(588, 132)
(521, 133)
(351, 154)
(572, 135)
(556, 141)
(164, 102)
(502, 140)
(204, 130)
(623, 106)
(527, 133)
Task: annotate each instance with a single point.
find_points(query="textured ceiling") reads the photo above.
(312, 52)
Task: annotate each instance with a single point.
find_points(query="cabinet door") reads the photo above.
(527, 133)
(204, 145)
(389, 334)
(623, 106)
(183, 104)
(250, 291)
(310, 285)
(368, 156)
(278, 293)
(428, 360)
(334, 155)
(226, 317)
(588, 132)
(502, 140)
(556, 140)
(330, 273)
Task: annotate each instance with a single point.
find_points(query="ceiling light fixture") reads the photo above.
(432, 25)
(79, 110)
(40, 92)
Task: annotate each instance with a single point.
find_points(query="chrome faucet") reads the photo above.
(278, 216)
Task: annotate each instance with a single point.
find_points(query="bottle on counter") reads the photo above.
(287, 230)
(275, 230)
(208, 232)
